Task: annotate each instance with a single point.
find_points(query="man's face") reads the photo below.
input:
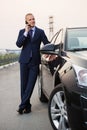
(31, 20)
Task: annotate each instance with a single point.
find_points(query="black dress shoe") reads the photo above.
(20, 111)
(27, 110)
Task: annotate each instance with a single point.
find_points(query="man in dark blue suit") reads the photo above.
(29, 39)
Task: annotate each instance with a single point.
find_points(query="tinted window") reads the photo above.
(77, 38)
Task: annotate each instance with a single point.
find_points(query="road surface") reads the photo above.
(10, 99)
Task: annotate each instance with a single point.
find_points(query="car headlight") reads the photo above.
(81, 74)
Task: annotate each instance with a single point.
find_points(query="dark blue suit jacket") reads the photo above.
(29, 45)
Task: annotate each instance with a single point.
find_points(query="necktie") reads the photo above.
(30, 33)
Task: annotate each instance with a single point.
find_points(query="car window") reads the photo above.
(57, 38)
(77, 39)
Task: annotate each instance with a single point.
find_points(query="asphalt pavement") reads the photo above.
(10, 99)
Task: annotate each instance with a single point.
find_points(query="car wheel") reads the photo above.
(41, 94)
(57, 109)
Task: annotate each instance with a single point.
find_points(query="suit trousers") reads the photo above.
(28, 75)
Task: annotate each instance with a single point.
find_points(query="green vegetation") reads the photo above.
(8, 58)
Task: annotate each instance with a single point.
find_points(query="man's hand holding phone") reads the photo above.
(27, 27)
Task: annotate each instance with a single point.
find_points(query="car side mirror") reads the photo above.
(48, 48)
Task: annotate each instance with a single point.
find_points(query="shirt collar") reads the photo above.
(33, 28)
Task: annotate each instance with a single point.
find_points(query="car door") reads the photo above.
(49, 64)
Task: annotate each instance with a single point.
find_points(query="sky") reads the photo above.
(66, 13)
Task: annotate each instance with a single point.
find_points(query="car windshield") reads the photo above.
(77, 39)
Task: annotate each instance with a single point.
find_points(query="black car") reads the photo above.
(62, 79)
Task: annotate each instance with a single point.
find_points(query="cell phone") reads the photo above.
(26, 22)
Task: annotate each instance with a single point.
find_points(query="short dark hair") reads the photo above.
(28, 14)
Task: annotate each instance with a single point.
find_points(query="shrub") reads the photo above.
(8, 58)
